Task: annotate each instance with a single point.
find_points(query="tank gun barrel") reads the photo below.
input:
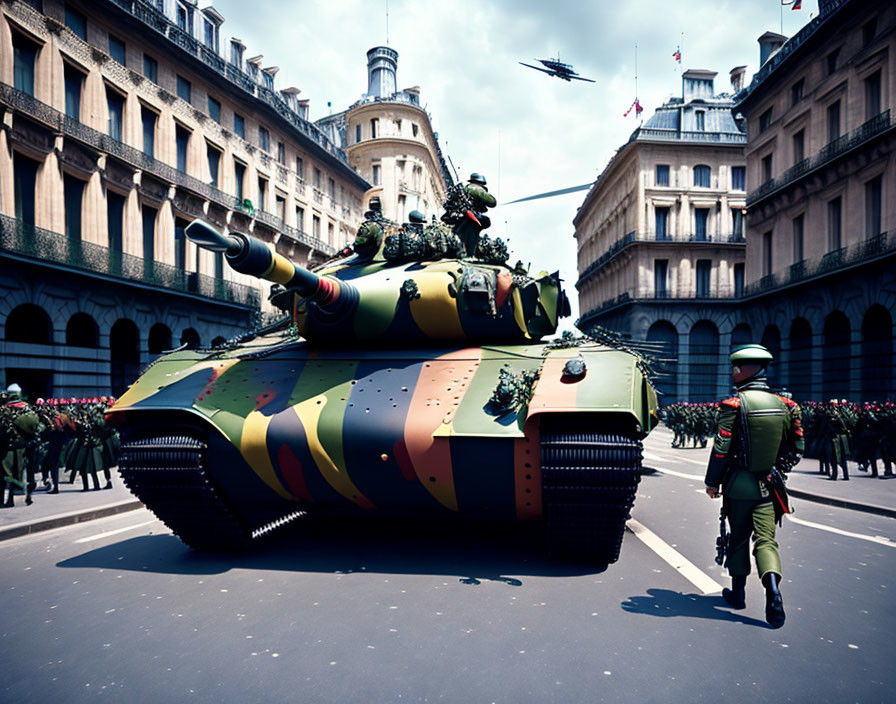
(251, 256)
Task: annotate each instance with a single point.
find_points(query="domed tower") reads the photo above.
(382, 63)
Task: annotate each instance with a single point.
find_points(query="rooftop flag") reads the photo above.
(795, 4)
(637, 107)
(677, 54)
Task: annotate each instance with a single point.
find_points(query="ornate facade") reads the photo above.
(660, 237)
(121, 121)
(389, 139)
(821, 224)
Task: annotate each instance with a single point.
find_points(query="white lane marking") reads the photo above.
(657, 458)
(106, 534)
(692, 477)
(679, 562)
(702, 463)
(879, 539)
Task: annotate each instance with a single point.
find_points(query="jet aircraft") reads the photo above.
(554, 67)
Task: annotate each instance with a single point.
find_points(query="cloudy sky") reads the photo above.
(525, 131)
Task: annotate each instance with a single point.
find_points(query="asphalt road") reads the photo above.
(330, 611)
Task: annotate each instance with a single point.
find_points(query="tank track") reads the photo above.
(589, 482)
(167, 473)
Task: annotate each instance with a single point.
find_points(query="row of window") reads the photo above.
(702, 176)
(701, 223)
(375, 129)
(873, 226)
(26, 53)
(703, 271)
(24, 69)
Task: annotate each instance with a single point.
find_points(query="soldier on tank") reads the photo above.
(758, 434)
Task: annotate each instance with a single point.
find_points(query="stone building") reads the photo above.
(660, 237)
(821, 225)
(389, 140)
(121, 121)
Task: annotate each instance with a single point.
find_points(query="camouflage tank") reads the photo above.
(408, 379)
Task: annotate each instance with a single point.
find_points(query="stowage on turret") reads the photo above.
(407, 378)
(407, 283)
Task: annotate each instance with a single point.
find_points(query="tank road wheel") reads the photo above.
(167, 473)
(589, 481)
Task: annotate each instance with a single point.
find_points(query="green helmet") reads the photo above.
(756, 354)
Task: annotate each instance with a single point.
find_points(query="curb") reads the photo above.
(842, 503)
(17, 530)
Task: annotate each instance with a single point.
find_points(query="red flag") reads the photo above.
(677, 54)
(797, 5)
(636, 106)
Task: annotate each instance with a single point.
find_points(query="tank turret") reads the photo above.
(404, 283)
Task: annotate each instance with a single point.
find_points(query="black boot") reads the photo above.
(774, 604)
(736, 597)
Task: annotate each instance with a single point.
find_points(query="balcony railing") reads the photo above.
(876, 125)
(664, 135)
(873, 248)
(631, 237)
(648, 296)
(45, 246)
(155, 19)
(101, 142)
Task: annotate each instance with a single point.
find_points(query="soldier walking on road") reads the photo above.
(758, 435)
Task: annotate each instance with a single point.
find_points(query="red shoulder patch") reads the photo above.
(733, 402)
(788, 401)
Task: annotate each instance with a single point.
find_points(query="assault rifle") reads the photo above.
(724, 539)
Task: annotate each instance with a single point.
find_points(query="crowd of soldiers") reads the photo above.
(836, 431)
(839, 430)
(43, 438)
(691, 422)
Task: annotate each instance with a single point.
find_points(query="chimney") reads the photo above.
(769, 43)
(737, 79)
(382, 63)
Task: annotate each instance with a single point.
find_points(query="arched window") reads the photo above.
(836, 356)
(799, 365)
(665, 337)
(124, 355)
(877, 354)
(704, 366)
(82, 331)
(702, 175)
(29, 323)
(190, 338)
(159, 338)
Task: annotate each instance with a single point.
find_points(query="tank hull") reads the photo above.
(277, 427)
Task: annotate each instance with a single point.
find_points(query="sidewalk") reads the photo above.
(861, 493)
(70, 505)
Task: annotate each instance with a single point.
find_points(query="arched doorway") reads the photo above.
(124, 355)
(877, 354)
(836, 356)
(190, 338)
(771, 340)
(704, 367)
(82, 331)
(159, 338)
(665, 337)
(29, 323)
(799, 365)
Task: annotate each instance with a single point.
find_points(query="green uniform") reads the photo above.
(755, 428)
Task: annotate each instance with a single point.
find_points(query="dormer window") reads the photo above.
(701, 120)
(236, 52)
